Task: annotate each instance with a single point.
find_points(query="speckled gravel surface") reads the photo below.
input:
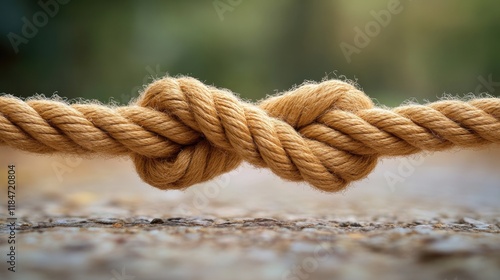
(435, 217)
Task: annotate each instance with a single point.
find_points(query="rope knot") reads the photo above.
(181, 132)
(288, 133)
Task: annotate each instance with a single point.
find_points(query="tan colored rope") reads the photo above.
(181, 132)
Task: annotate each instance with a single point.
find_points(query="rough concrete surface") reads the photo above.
(430, 217)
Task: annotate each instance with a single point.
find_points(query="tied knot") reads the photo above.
(292, 134)
(181, 132)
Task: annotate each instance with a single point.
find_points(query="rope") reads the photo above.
(181, 132)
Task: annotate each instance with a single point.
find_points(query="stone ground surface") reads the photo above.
(430, 217)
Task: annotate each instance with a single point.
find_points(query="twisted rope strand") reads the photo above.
(181, 132)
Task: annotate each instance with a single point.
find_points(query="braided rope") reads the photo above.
(181, 132)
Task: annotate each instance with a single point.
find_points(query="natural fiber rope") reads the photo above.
(181, 132)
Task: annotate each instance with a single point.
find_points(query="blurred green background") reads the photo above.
(108, 49)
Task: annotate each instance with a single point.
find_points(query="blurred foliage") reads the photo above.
(109, 49)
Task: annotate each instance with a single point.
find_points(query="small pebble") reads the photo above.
(350, 224)
(107, 221)
(355, 224)
(156, 221)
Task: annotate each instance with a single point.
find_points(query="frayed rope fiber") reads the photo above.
(181, 132)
